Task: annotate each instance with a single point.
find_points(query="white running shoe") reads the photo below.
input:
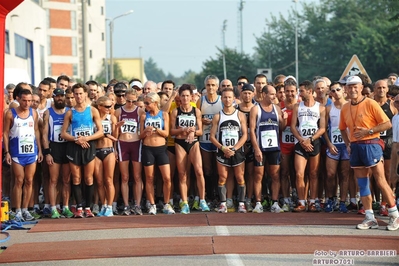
(167, 209)
(222, 208)
(276, 208)
(393, 223)
(152, 210)
(368, 223)
(241, 208)
(258, 208)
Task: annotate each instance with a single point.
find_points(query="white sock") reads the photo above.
(393, 212)
(36, 206)
(287, 200)
(353, 200)
(53, 208)
(196, 198)
(369, 214)
(47, 206)
(24, 210)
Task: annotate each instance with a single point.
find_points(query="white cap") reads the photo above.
(353, 80)
(136, 83)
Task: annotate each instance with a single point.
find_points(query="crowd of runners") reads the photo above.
(123, 148)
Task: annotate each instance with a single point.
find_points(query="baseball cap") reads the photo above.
(290, 77)
(58, 91)
(353, 80)
(137, 84)
(247, 87)
(343, 80)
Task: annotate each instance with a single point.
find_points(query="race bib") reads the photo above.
(82, 133)
(186, 121)
(129, 127)
(336, 137)
(308, 128)
(106, 127)
(287, 136)
(269, 139)
(229, 138)
(57, 134)
(153, 122)
(206, 135)
(26, 144)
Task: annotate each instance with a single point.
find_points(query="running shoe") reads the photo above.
(383, 210)
(312, 207)
(276, 208)
(152, 209)
(196, 205)
(88, 213)
(115, 211)
(258, 208)
(230, 205)
(73, 208)
(101, 213)
(35, 215)
(352, 207)
(318, 205)
(204, 206)
(222, 208)
(185, 209)
(126, 211)
(266, 204)
(108, 212)
(393, 223)
(78, 213)
(286, 207)
(248, 205)
(361, 209)
(47, 212)
(241, 208)
(191, 201)
(27, 216)
(67, 213)
(342, 207)
(55, 214)
(376, 206)
(368, 223)
(329, 206)
(96, 209)
(137, 210)
(167, 209)
(38, 210)
(300, 208)
(18, 217)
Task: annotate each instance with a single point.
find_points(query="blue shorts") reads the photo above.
(25, 160)
(342, 155)
(365, 155)
(209, 147)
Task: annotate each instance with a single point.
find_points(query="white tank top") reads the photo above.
(308, 118)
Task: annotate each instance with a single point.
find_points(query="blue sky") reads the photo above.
(180, 35)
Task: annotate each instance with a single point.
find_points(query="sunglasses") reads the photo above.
(333, 91)
(131, 101)
(147, 103)
(107, 106)
(240, 83)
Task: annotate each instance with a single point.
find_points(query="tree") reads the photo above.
(101, 77)
(237, 64)
(328, 35)
(153, 72)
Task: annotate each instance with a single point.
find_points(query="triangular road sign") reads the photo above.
(354, 67)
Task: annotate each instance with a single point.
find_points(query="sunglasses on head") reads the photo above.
(337, 89)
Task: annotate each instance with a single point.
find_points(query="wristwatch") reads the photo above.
(311, 139)
(371, 132)
(233, 149)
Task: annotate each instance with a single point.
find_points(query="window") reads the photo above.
(73, 20)
(7, 43)
(74, 46)
(75, 70)
(50, 69)
(102, 36)
(91, 53)
(89, 27)
(48, 45)
(88, 2)
(21, 46)
(42, 62)
(102, 10)
(48, 18)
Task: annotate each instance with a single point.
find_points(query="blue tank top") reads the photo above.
(55, 123)
(154, 121)
(267, 129)
(82, 122)
(22, 136)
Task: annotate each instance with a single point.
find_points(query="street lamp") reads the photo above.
(224, 47)
(111, 30)
(296, 39)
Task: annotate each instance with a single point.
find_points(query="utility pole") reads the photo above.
(84, 41)
(296, 39)
(224, 47)
(240, 31)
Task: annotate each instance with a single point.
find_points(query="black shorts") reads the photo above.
(316, 149)
(388, 148)
(103, 152)
(58, 151)
(154, 155)
(185, 145)
(79, 156)
(237, 159)
(249, 152)
(271, 157)
(172, 149)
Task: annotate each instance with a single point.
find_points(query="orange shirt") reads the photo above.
(366, 114)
